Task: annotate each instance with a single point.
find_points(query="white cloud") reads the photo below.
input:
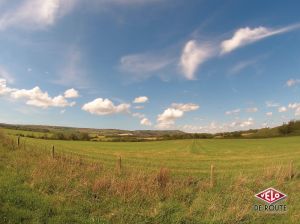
(245, 36)
(167, 119)
(297, 111)
(6, 75)
(71, 93)
(141, 99)
(269, 114)
(40, 14)
(34, 97)
(292, 82)
(243, 124)
(185, 107)
(193, 55)
(138, 115)
(143, 120)
(214, 127)
(252, 110)
(282, 109)
(35, 14)
(295, 107)
(146, 122)
(233, 112)
(101, 106)
(272, 104)
(192, 128)
(3, 87)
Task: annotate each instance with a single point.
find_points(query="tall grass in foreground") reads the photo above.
(37, 188)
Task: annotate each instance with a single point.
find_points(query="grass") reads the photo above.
(186, 156)
(160, 182)
(35, 134)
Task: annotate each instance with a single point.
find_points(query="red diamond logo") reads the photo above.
(270, 195)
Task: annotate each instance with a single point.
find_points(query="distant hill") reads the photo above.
(72, 133)
(95, 132)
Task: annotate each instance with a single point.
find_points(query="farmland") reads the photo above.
(157, 181)
(185, 156)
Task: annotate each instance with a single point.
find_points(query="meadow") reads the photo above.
(155, 182)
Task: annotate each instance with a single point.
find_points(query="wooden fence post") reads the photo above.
(291, 172)
(53, 151)
(211, 175)
(18, 141)
(119, 165)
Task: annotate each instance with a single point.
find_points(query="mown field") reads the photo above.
(159, 182)
(186, 156)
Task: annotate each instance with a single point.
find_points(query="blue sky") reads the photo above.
(197, 66)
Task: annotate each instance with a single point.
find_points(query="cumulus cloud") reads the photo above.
(146, 122)
(193, 55)
(143, 120)
(233, 112)
(282, 109)
(292, 82)
(295, 107)
(269, 114)
(35, 14)
(167, 119)
(71, 93)
(34, 97)
(245, 36)
(101, 106)
(141, 99)
(242, 123)
(252, 110)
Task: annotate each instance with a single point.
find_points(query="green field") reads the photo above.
(82, 185)
(25, 133)
(186, 156)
